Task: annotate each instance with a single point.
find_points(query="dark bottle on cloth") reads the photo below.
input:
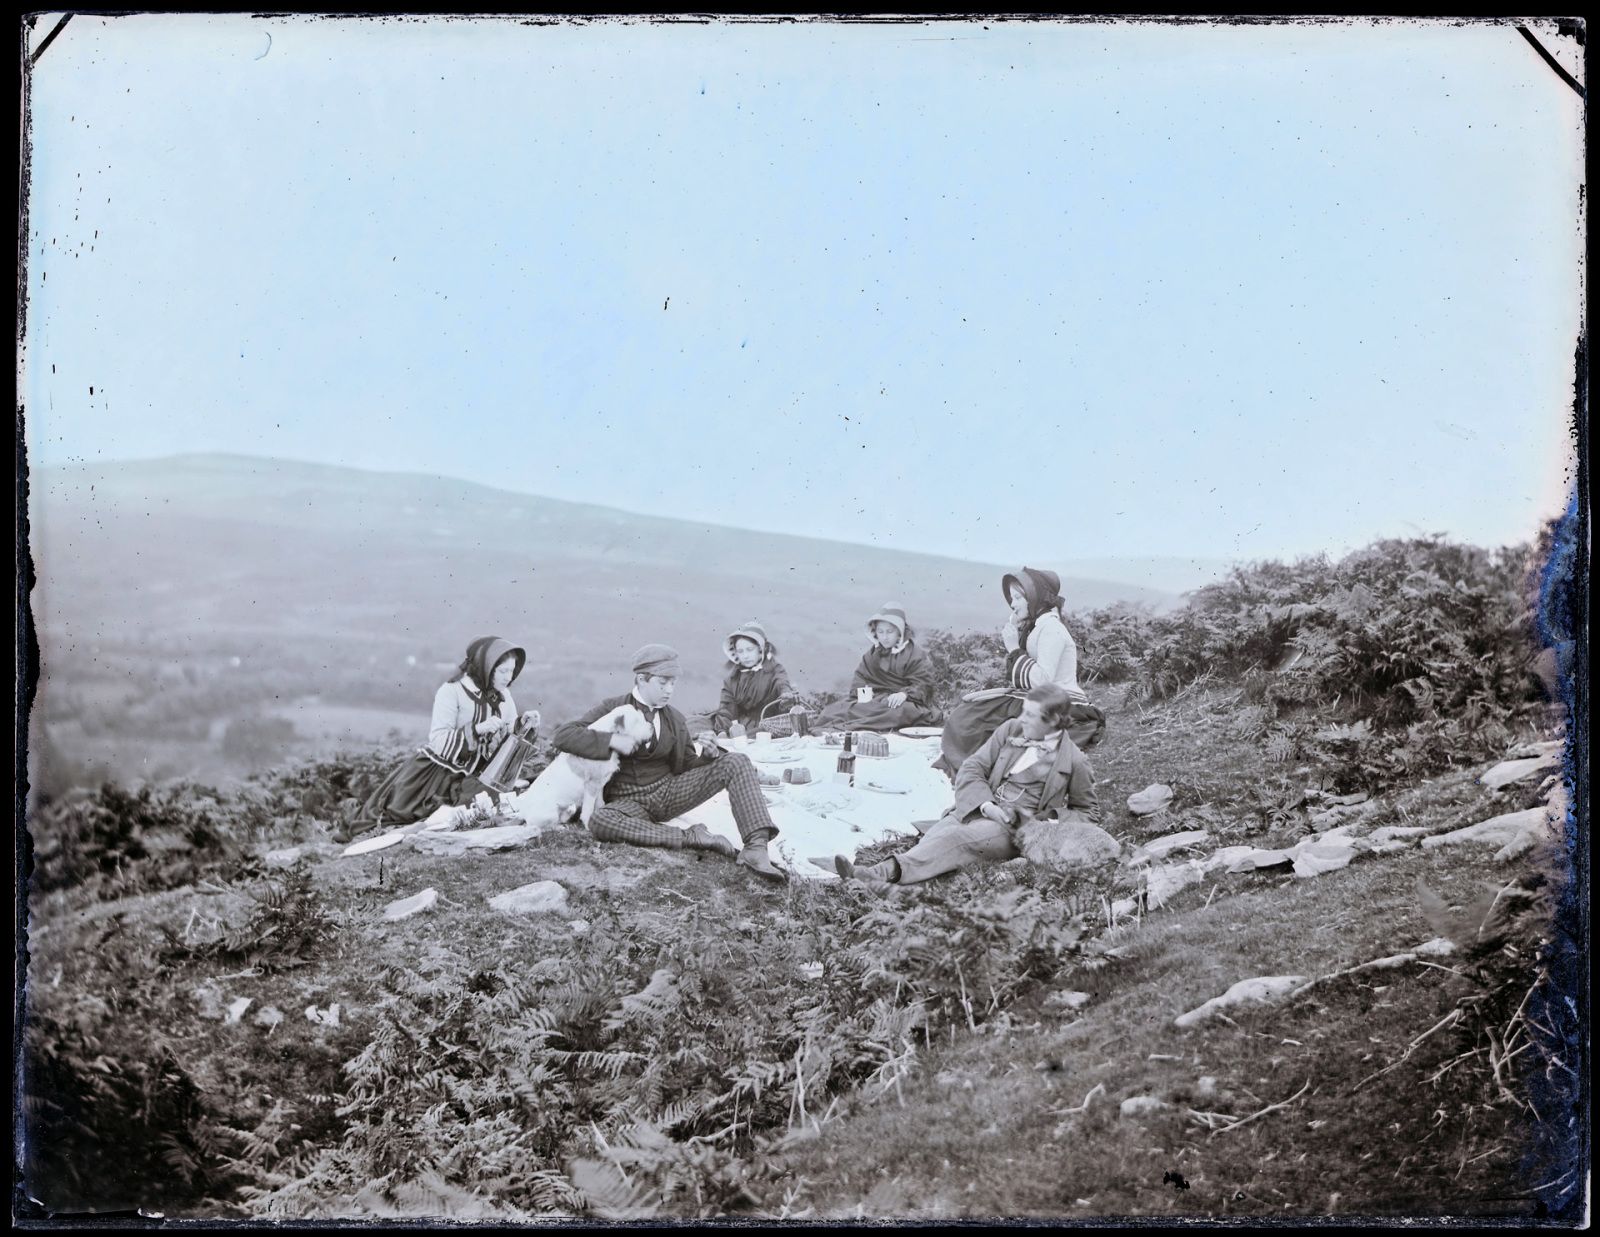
(845, 771)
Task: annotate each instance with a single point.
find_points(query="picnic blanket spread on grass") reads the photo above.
(817, 819)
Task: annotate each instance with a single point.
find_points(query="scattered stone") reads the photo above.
(1262, 990)
(1160, 848)
(1497, 831)
(209, 998)
(1509, 771)
(404, 908)
(381, 842)
(811, 970)
(541, 897)
(1152, 799)
(236, 1009)
(579, 927)
(1329, 817)
(1260, 858)
(1438, 947)
(1068, 1000)
(1351, 800)
(323, 1017)
(1322, 856)
(1551, 747)
(1226, 857)
(285, 858)
(1142, 1105)
(1387, 848)
(1066, 843)
(1163, 882)
(1396, 833)
(497, 837)
(268, 1016)
(1205, 1087)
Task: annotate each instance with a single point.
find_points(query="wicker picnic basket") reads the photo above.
(781, 725)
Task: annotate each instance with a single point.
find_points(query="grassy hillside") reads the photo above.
(177, 595)
(221, 1021)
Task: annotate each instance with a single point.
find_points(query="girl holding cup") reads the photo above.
(893, 685)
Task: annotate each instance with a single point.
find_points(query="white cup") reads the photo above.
(763, 736)
(863, 694)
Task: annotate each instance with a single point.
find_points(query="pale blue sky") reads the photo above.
(1030, 292)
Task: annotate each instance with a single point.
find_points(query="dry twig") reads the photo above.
(1263, 1112)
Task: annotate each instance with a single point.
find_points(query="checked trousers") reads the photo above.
(638, 814)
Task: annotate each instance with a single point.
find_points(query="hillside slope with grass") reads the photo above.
(204, 616)
(225, 1019)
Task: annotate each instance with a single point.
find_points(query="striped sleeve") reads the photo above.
(445, 737)
(1022, 672)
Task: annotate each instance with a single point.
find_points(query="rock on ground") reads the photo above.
(1497, 831)
(1152, 799)
(1262, 990)
(1508, 772)
(1396, 833)
(1140, 1105)
(499, 837)
(1160, 848)
(1322, 856)
(404, 908)
(541, 897)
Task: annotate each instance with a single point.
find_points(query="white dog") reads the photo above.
(572, 786)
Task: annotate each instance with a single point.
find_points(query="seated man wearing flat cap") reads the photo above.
(664, 778)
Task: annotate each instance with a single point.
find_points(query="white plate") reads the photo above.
(886, 790)
(922, 732)
(383, 840)
(774, 758)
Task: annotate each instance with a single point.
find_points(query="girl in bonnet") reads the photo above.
(755, 679)
(472, 714)
(893, 685)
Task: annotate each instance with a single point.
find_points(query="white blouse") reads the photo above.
(1051, 657)
(450, 733)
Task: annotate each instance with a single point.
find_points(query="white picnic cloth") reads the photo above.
(824, 818)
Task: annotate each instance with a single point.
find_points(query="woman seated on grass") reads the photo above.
(472, 714)
(1039, 650)
(893, 685)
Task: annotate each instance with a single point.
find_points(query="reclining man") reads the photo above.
(1028, 768)
(666, 777)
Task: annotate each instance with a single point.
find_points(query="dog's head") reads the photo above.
(629, 721)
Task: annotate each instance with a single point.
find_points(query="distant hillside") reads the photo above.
(357, 587)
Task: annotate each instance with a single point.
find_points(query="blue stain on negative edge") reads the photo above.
(1562, 610)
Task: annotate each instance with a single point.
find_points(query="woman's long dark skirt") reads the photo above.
(415, 790)
(875, 714)
(972, 722)
(969, 726)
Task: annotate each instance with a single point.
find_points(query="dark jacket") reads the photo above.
(1068, 787)
(910, 670)
(746, 692)
(670, 755)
